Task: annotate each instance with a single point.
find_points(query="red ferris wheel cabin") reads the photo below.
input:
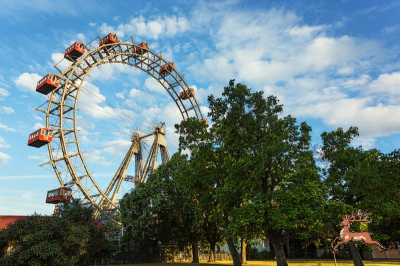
(110, 38)
(40, 137)
(141, 49)
(48, 83)
(74, 51)
(57, 195)
(184, 95)
(167, 67)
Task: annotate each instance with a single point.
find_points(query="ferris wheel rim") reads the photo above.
(66, 75)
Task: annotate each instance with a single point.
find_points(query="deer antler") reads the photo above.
(363, 217)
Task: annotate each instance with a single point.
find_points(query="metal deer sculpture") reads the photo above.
(346, 235)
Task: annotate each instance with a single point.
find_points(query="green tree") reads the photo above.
(361, 179)
(268, 179)
(162, 209)
(201, 176)
(66, 239)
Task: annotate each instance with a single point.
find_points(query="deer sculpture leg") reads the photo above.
(378, 245)
(341, 242)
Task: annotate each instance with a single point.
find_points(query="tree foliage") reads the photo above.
(67, 239)
(362, 179)
(267, 178)
(162, 209)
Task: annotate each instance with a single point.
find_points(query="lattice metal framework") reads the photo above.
(66, 156)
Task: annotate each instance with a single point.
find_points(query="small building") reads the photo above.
(9, 219)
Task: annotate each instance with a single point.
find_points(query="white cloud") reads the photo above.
(168, 26)
(305, 31)
(361, 81)
(92, 24)
(150, 114)
(93, 103)
(154, 86)
(27, 82)
(94, 157)
(4, 158)
(3, 143)
(391, 29)
(387, 84)
(6, 128)
(120, 95)
(37, 126)
(42, 158)
(345, 71)
(4, 92)
(264, 48)
(117, 147)
(314, 73)
(142, 96)
(6, 110)
(81, 37)
(366, 143)
(372, 120)
(58, 60)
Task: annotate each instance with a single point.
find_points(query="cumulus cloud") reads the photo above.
(167, 26)
(58, 60)
(94, 157)
(117, 147)
(142, 96)
(3, 143)
(81, 37)
(366, 143)
(387, 84)
(372, 120)
(6, 110)
(313, 73)
(120, 95)
(360, 81)
(3, 93)
(37, 126)
(345, 71)
(27, 82)
(264, 48)
(154, 86)
(6, 128)
(4, 158)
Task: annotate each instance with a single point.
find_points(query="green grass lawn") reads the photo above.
(292, 262)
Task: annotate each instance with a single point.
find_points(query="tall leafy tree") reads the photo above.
(264, 164)
(202, 176)
(163, 209)
(361, 179)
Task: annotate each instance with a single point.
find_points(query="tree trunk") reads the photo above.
(234, 253)
(195, 252)
(274, 239)
(243, 249)
(211, 258)
(287, 245)
(355, 254)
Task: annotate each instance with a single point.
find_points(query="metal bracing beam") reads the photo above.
(117, 179)
(152, 161)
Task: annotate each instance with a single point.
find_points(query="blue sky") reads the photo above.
(331, 63)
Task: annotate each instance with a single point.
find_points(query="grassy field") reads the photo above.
(273, 263)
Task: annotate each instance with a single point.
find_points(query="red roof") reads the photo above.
(7, 219)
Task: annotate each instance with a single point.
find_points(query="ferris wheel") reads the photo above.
(62, 118)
